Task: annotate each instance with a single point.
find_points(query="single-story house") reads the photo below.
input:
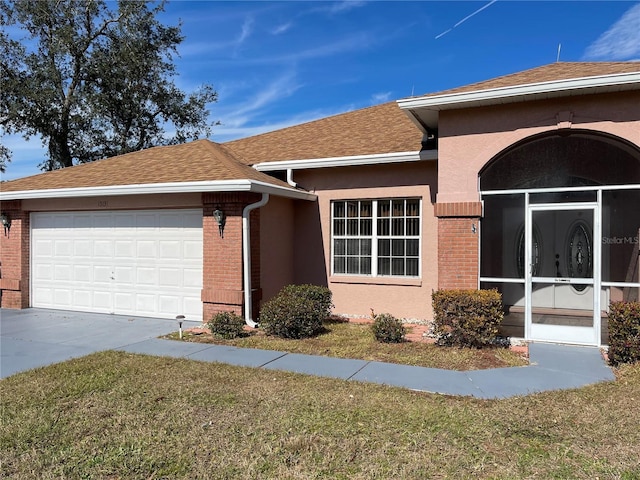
(528, 183)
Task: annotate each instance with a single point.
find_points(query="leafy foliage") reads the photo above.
(467, 318)
(387, 328)
(297, 311)
(624, 332)
(226, 325)
(94, 80)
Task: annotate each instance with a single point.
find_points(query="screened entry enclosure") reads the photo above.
(560, 235)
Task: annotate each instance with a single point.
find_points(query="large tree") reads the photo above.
(94, 79)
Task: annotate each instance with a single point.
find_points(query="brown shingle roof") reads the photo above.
(547, 73)
(375, 130)
(201, 160)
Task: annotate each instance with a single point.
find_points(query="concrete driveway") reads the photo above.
(37, 337)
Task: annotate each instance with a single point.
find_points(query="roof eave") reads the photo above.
(424, 110)
(161, 188)
(347, 161)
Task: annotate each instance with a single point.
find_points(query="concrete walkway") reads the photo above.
(37, 337)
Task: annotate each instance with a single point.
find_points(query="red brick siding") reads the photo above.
(223, 289)
(14, 257)
(458, 247)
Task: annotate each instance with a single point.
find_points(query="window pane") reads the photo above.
(398, 208)
(338, 209)
(384, 208)
(338, 227)
(365, 266)
(397, 248)
(413, 226)
(339, 265)
(412, 248)
(412, 267)
(413, 208)
(383, 227)
(352, 227)
(365, 247)
(366, 227)
(384, 248)
(384, 266)
(397, 266)
(398, 226)
(353, 247)
(353, 265)
(365, 209)
(339, 247)
(352, 209)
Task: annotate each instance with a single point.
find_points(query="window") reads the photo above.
(376, 237)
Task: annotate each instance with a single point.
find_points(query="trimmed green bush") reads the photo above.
(388, 329)
(467, 318)
(296, 312)
(624, 332)
(226, 325)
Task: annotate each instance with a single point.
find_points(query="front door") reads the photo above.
(562, 273)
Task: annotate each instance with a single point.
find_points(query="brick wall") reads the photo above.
(458, 245)
(223, 289)
(14, 257)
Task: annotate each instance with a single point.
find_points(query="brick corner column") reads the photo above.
(223, 285)
(458, 244)
(14, 256)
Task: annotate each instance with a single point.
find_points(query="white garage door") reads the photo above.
(144, 262)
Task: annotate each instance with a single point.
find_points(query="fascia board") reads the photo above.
(348, 161)
(155, 188)
(494, 95)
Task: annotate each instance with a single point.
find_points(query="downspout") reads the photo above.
(246, 257)
(290, 178)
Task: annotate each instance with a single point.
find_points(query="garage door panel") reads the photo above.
(128, 262)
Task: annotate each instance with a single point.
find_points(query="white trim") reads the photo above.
(539, 89)
(348, 161)
(560, 189)
(172, 187)
(246, 257)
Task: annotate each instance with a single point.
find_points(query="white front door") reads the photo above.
(562, 273)
(144, 262)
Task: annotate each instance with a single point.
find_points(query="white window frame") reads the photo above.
(375, 237)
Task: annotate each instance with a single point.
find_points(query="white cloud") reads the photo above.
(345, 5)
(280, 29)
(621, 41)
(380, 97)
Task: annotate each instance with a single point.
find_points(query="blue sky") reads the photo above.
(276, 64)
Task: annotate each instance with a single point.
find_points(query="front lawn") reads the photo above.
(114, 415)
(355, 340)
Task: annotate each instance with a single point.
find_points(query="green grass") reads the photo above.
(353, 340)
(114, 415)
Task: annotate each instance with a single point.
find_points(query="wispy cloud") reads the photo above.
(380, 97)
(466, 18)
(621, 41)
(345, 6)
(280, 29)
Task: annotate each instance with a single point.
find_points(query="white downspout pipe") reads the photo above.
(290, 178)
(246, 257)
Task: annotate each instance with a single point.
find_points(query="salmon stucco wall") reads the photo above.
(276, 245)
(469, 138)
(408, 298)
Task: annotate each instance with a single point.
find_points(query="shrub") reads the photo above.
(624, 332)
(320, 296)
(226, 325)
(297, 311)
(387, 328)
(467, 318)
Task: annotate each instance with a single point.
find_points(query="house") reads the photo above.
(528, 183)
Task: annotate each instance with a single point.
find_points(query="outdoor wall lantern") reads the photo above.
(6, 223)
(220, 218)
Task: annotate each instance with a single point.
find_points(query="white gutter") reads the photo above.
(348, 161)
(151, 188)
(290, 178)
(246, 257)
(622, 81)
